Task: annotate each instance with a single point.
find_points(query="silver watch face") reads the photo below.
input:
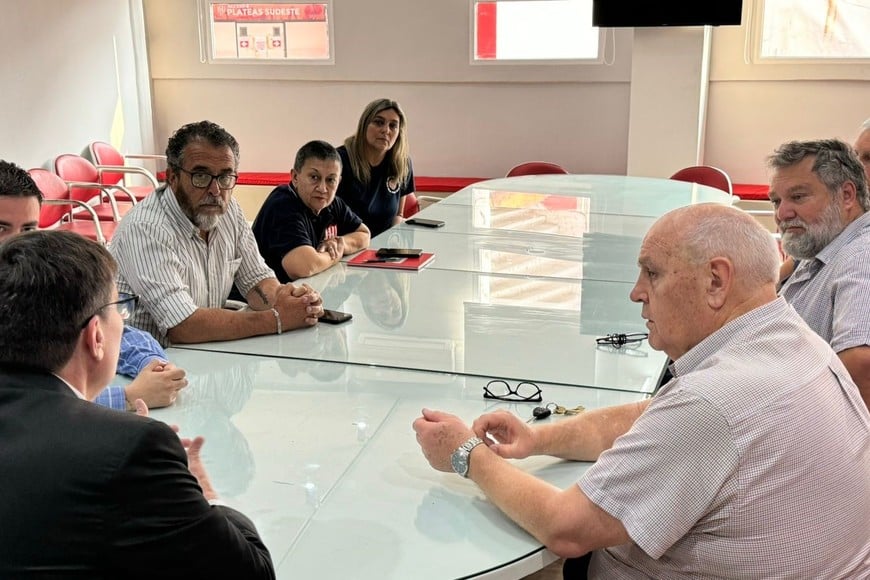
(459, 461)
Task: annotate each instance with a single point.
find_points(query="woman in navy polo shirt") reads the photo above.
(376, 170)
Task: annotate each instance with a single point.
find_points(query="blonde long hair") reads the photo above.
(397, 157)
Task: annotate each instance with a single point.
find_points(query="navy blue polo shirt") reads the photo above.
(376, 202)
(284, 223)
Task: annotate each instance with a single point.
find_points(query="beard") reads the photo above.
(204, 221)
(816, 236)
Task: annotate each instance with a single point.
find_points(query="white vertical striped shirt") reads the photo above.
(754, 462)
(162, 258)
(831, 292)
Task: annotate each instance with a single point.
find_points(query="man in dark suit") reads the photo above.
(85, 491)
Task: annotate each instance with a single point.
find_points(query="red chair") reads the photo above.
(57, 209)
(705, 175)
(412, 206)
(83, 179)
(536, 168)
(113, 169)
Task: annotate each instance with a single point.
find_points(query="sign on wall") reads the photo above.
(275, 31)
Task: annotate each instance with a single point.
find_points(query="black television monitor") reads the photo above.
(631, 13)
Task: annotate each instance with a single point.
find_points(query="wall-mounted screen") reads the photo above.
(629, 13)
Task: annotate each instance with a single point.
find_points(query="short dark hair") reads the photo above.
(835, 163)
(16, 182)
(212, 133)
(51, 282)
(315, 150)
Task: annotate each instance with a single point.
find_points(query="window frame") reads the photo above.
(755, 34)
(207, 43)
(472, 53)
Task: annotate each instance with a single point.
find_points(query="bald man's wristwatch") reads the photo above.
(460, 458)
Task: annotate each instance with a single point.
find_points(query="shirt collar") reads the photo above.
(702, 351)
(72, 388)
(849, 234)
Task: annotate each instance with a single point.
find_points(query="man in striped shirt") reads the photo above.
(182, 248)
(819, 191)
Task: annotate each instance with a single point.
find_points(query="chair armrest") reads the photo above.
(145, 156)
(128, 169)
(116, 215)
(75, 202)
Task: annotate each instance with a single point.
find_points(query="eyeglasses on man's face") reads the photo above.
(126, 305)
(503, 391)
(202, 179)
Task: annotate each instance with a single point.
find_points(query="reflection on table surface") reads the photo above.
(534, 221)
(596, 194)
(594, 256)
(326, 464)
(536, 329)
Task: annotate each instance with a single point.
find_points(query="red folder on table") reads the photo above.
(369, 258)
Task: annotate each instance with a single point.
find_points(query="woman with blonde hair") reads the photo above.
(376, 172)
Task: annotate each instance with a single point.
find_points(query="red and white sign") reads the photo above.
(268, 12)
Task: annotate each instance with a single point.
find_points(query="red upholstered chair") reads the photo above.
(83, 179)
(57, 209)
(536, 168)
(705, 175)
(113, 169)
(412, 206)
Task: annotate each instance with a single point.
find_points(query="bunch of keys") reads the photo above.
(539, 413)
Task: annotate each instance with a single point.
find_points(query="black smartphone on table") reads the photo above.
(399, 253)
(424, 222)
(335, 317)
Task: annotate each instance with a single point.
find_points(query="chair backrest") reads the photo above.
(102, 153)
(52, 187)
(412, 206)
(72, 167)
(705, 175)
(536, 168)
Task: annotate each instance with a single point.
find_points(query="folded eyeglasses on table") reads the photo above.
(619, 339)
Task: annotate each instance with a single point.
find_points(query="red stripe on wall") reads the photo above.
(486, 35)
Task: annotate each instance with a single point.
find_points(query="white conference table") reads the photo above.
(538, 329)
(323, 458)
(309, 433)
(559, 226)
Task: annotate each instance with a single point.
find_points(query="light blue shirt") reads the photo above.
(138, 348)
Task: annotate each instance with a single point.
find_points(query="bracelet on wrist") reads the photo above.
(278, 321)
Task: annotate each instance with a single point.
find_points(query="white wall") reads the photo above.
(58, 77)
(755, 107)
(638, 115)
(464, 120)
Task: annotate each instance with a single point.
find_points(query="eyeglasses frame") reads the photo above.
(513, 391)
(123, 299)
(218, 177)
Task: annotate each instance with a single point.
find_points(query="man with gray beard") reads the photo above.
(819, 191)
(183, 247)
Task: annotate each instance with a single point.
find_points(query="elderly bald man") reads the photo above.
(752, 462)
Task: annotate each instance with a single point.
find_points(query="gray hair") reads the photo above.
(835, 163)
(713, 230)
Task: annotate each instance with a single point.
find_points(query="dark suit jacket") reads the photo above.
(90, 492)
